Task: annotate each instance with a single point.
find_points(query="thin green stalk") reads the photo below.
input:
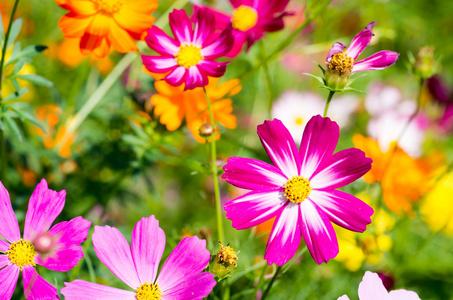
(269, 287)
(90, 267)
(268, 79)
(329, 98)
(260, 282)
(415, 113)
(214, 172)
(76, 270)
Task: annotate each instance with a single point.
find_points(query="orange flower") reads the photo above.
(173, 104)
(104, 23)
(403, 179)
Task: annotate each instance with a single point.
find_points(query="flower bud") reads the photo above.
(224, 262)
(335, 80)
(425, 64)
(206, 130)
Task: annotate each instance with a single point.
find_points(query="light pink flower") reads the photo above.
(181, 276)
(372, 288)
(62, 243)
(190, 56)
(250, 20)
(299, 190)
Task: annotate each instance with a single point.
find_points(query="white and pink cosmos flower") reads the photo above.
(343, 59)
(181, 276)
(61, 243)
(299, 190)
(372, 288)
(189, 58)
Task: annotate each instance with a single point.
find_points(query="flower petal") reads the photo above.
(285, 236)
(343, 209)
(8, 281)
(336, 48)
(196, 287)
(222, 20)
(371, 288)
(344, 297)
(159, 64)
(81, 290)
(341, 169)
(220, 46)
(195, 79)
(318, 143)
(133, 20)
(252, 174)
(280, 147)
(212, 68)
(35, 287)
(69, 236)
(9, 228)
(44, 207)
(4, 246)
(270, 7)
(378, 61)
(121, 40)
(72, 25)
(188, 259)
(317, 232)
(147, 245)
(255, 207)
(82, 7)
(181, 26)
(113, 251)
(177, 76)
(204, 26)
(403, 295)
(360, 41)
(160, 42)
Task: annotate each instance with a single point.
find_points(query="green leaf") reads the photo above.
(1, 28)
(12, 125)
(36, 79)
(322, 69)
(320, 79)
(351, 80)
(14, 32)
(15, 84)
(27, 52)
(355, 90)
(2, 125)
(16, 95)
(20, 64)
(26, 116)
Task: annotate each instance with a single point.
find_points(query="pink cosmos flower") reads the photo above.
(250, 20)
(189, 57)
(61, 243)
(342, 59)
(299, 189)
(137, 265)
(372, 288)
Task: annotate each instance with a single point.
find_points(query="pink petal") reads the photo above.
(344, 297)
(204, 25)
(378, 61)
(280, 147)
(317, 232)
(4, 259)
(181, 26)
(403, 295)
(188, 259)
(360, 41)
(318, 143)
(44, 207)
(196, 287)
(68, 237)
(272, 24)
(371, 288)
(270, 7)
(160, 42)
(240, 38)
(195, 79)
(4, 246)
(159, 64)
(212, 68)
(343, 209)
(341, 169)
(8, 281)
(285, 236)
(177, 76)
(9, 228)
(113, 251)
(252, 174)
(237, 3)
(35, 287)
(222, 20)
(82, 290)
(255, 207)
(220, 46)
(147, 245)
(336, 48)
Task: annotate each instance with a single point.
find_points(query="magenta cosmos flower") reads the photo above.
(61, 243)
(189, 57)
(299, 190)
(137, 265)
(372, 288)
(250, 20)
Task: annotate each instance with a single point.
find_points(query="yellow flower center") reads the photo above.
(227, 255)
(109, 6)
(244, 18)
(22, 253)
(299, 121)
(148, 291)
(188, 55)
(297, 189)
(341, 62)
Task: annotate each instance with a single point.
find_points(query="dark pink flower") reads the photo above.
(181, 276)
(342, 59)
(190, 56)
(63, 250)
(299, 190)
(250, 20)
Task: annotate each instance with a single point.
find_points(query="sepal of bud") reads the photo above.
(424, 65)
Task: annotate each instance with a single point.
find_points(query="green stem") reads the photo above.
(415, 113)
(268, 79)
(329, 98)
(76, 270)
(260, 281)
(269, 287)
(214, 172)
